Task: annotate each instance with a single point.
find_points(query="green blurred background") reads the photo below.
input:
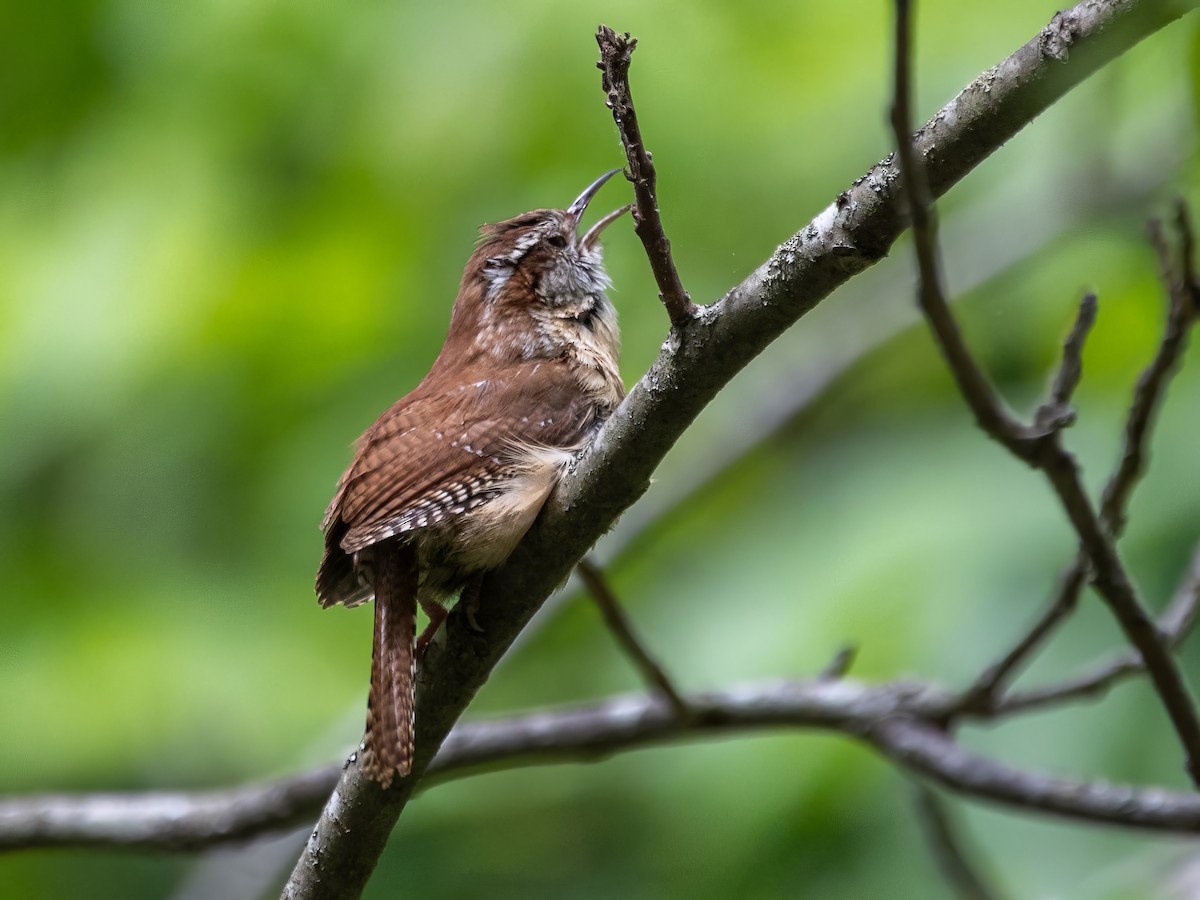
(230, 234)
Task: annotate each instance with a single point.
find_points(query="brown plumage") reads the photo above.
(448, 480)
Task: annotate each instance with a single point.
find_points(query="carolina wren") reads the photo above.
(448, 480)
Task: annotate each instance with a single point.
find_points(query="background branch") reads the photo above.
(1056, 411)
(895, 719)
(1175, 623)
(1147, 399)
(1152, 386)
(1043, 450)
(182, 820)
(946, 846)
(622, 630)
(985, 693)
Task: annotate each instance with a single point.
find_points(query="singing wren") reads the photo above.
(448, 480)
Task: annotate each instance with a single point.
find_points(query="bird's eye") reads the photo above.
(556, 240)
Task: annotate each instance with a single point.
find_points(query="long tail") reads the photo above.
(388, 744)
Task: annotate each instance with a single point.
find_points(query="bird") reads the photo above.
(447, 481)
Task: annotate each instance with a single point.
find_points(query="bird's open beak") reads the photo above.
(576, 209)
(593, 233)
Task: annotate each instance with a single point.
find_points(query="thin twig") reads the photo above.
(1056, 412)
(1051, 415)
(981, 397)
(838, 667)
(985, 693)
(618, 623)
(1175, 623)
(1148, 397)
(1040, 450)
(1187, 251)
(946, 846)
(616, 52)
(1151, 386)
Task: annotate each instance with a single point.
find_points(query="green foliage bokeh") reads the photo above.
(230, 234)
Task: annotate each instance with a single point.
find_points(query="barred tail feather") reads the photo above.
(388, 744)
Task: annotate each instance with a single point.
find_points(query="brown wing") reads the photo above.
(440, 452)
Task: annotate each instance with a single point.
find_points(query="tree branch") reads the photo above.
(946, 846)
(1175, 624)
(616, 52)
(1151, 387)
(928, 751)
(181, 820)
(893, 718)
(1148, 397)
(985, 693)
(1056, 412)
(1041, 449)
(164, 820)
(614, 471)
(986, 405)
(618, 623)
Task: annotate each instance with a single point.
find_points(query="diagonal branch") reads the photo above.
(1151, 387)
(622, 629)
(989, 410)
(1147, 399)
(1175, 624)
(1056, 412)
(614, 471)
(616, 52)
(986, 692)
(947, 848)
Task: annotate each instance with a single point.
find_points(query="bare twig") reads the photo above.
(1056, 412)
(616, 51)
(1041, 450)
(622, 629)
(941, 834)
(1148, 397)
(1175, 623)
(838, 667)
(1151, 387)
(981, 397)
(985, 693)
